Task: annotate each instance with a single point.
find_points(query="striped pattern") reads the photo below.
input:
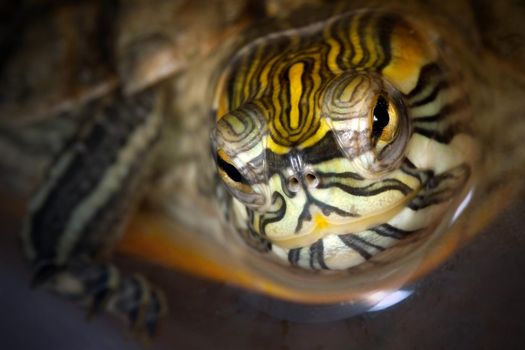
(301, 106)
(79, 210)
(287, 73)
(89, 187)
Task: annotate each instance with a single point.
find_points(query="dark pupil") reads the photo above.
(230, 170)
(381, 117)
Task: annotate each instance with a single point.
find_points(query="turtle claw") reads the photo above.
(45, 273)
(103, 288)
(99, 303)
(157, 308)
(143, 304)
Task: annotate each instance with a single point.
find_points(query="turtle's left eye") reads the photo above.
(388, 132)
(384, 120)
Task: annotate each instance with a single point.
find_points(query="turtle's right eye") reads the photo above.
(229, 170)
(236, 183)
(231, 176)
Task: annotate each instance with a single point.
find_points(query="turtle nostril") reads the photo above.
(293, 184)
(311, 180)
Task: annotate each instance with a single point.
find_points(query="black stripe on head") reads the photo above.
(341, 33)
(385, 25)
(443, 136)
(387, 230)
(443, 113)
(351, 241)
(360, 245)
(369, 190)
(409, 168)
(326, 149)
(442, 85)
(326, 209)
(428, 73)
(273, 216)
(317, 255)
(361, 33)
(293, 256)
(442, 187)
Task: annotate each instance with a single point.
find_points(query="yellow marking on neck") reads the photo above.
(296, 90)
(322, 227)
(410, 52)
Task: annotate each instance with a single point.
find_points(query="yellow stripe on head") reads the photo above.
(295, 75)
(410, 52)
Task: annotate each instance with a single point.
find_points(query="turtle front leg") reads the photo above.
(79, 210)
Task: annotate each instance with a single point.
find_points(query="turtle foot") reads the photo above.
(101, 287)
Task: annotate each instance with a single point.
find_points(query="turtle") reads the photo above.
(311, 150)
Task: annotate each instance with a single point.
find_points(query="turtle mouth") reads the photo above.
(323, 226)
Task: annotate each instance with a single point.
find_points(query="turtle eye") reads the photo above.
(230, 174)
(229, 170)
(388, 132)
(236, 183)
(384, 120)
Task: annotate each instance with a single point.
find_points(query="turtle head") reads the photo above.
(329, 175)
(330, 156)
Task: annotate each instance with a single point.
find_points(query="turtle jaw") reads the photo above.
(322, 225)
